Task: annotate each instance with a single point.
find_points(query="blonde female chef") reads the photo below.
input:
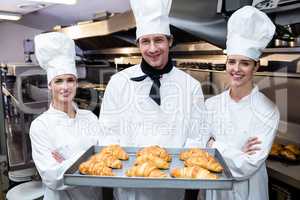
(63, 132)
(243, 120)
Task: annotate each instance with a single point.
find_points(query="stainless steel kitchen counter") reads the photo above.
(289, 174)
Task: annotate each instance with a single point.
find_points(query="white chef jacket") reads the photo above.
(131, 118)
(54, 130)
(232, 123)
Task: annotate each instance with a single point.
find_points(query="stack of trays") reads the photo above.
(22, 175)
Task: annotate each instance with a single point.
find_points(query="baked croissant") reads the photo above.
(156, 161)
(100, 170)
(293, 148)
(207, 162)
(116, 151)
(193, 152)
(275, 150)
(145, 170)
(107, 160)
(288, 154)
(84, 167)
(93, 168)
(193, 172)
(156, 151)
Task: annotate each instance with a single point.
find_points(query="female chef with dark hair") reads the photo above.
(63, 132)
(243, 120)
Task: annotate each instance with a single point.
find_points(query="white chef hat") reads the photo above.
(55, 53)
(248, 32)
(151, 17)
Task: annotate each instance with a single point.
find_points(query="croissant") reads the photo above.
(107, 160)
(207, 162)
(293, 148)
(84, 167)
(145, 170)
(193, 172)
(100, 170)
(156, 161)
(288, 154)
(93, 168)
(193, 152)
(275, 150)
(156, 151)
(116, 151)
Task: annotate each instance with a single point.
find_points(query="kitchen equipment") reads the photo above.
(22, 175)
(32, 190)
(280, 43)
(297, 39)
(292, 42)
(73, 177)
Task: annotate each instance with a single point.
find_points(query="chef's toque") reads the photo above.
(248, 32)
(151, 17)
(55, 53)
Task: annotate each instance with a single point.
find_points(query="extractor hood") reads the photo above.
(192, 21)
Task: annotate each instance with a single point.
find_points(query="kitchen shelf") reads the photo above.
(282, 50)
(284, 8)
(278, 74)
(272, 74)
(190, 48)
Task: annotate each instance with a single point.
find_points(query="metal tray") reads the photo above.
(73, 177)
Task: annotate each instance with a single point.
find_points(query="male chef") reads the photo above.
(153, 103)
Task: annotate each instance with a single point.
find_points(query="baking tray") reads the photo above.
(73, 177)
(285, 160)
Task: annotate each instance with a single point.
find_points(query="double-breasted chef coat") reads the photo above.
(232, 123)
(131, 118)
(54, 130)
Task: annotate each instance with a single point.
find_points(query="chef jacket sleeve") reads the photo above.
(49, 169)
(198, 126)
(243, 165)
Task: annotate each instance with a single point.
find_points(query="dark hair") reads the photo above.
(169, 37)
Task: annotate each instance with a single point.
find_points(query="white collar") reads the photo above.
(245, 99)
(54, 110)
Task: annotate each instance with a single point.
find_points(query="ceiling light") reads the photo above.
(10, 16)
(69, 2)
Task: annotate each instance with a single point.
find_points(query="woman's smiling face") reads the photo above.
(240, 70)
(63, 88)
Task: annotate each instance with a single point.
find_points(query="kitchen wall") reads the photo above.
(11, 41)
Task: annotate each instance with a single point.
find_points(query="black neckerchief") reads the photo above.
(155, 75)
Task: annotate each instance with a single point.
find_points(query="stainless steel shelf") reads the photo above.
(113, 51)
(272, 74)
(278, 74)
(283, 50)
(283, 9)
(200, 47)
(200, 70)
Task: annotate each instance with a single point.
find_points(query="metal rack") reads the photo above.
(17, 114)
(2, 127)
